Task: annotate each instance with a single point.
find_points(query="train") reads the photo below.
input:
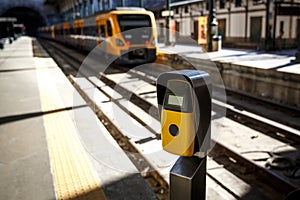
(129, 34)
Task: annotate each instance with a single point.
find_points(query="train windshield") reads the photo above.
(133, 21)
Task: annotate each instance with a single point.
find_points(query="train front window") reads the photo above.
(132, 21)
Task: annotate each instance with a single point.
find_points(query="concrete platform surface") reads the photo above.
(283, 61)
(42, 152)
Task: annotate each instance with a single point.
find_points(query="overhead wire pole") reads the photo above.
(167, 40)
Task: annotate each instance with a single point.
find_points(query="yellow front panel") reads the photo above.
(111, 46)
(183, 143)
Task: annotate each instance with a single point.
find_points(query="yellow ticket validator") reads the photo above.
(177, 119)
(184, 104)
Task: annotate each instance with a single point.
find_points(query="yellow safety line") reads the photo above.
(73, 174)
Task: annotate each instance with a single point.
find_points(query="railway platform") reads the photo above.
(41, 152)
(283, 61)
(273, 76)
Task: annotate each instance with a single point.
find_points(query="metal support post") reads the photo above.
(188, 179)
(123, 3)
(103, 4)
(85, 8)
(298, 43)
(92, 11)
(80, 10)
(246, 19)
(73, 12)
(109, 4)
(141, 3)
(269, 19)
(273, 46)
(167, 39)
(99, 5)
(212, 25)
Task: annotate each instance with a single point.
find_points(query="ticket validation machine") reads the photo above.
(177, 118)
(184, 103)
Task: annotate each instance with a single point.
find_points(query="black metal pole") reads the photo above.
(84, 8)
(274, 29)
(109, 4)
(268, 26)
(167, 40)
(80, 9)
(212, 23)
(99, 5)
(91, 7)
(298, 43)
(298, 36)
(103, 4)
(141, 3)
(188, 179)
(246, 19)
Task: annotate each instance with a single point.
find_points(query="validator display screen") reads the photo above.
(178, 96)
(175, 100)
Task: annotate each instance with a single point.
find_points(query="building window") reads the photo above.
(222, 4)
(238, 3)
(186, 9)
(177, 10)
(109, 28)
(281, 28)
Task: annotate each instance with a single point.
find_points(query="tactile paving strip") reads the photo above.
(73, 174)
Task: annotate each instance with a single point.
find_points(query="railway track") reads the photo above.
(261, 161)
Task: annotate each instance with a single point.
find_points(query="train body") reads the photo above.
(129, 34)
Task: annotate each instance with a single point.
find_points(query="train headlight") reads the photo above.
(119, 42)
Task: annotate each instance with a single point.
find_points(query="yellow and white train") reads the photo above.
(129, 34)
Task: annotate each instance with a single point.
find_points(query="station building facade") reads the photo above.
(242, 23)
